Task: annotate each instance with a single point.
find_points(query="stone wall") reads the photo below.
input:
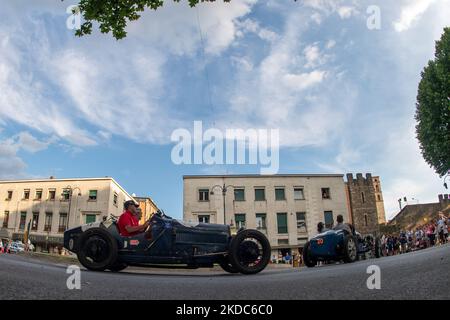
(416, 215)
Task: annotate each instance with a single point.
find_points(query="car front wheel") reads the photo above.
(98, 249)
(249, 252)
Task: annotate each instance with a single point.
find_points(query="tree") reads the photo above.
(113, 15)
(433, 108)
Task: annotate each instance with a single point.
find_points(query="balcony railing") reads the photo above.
(47, 228)
(61, 229)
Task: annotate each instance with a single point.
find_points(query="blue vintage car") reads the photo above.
(171, 243)
(340, 245)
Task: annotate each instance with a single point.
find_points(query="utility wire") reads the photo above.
(202, 42)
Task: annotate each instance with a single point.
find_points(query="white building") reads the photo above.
(287, 208)
(54, 205)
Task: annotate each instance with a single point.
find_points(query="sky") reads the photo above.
(341, 94)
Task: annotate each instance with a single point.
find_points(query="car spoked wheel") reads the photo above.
(249, 251)
(350, 250)
(98, 249)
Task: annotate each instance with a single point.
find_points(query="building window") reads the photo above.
(48, 221)
(203, 195)
(23, 218)
(203, 219)
(299, 194)
(115, 199)
(283, 242)
(377, 187)
(379, 197)
(326, 193)
(329, 220)
(301, 222)
(363, 198)
(261, 221)
(280, 194)
(51, 194)
(260, 194)
(282, 223)
(62, 222)
(38, 194)
(240, 220)
(65, 195)
(9, 196)
(239, 194)
(92, 195)
(90, 218)
(6, 219)
(365, 220)
(35, 223)
(26, 194)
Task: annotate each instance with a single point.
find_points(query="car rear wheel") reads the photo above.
(98, 249)
(309, 262)
(350, 249)
(249, 252)
(117, 266)
(227, 266)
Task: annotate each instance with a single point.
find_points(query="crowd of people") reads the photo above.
(433, 233)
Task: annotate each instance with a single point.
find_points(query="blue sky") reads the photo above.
(342, 96)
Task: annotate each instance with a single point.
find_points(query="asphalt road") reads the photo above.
(423, 274)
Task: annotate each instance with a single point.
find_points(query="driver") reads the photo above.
(128, 223)
(341, 225)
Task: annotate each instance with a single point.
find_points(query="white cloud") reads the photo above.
(346, 12)
(176, 26)
(29, 143)
(304, 80)
(411, 12)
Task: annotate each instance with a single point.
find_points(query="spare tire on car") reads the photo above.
(249, 252)
(98, 250)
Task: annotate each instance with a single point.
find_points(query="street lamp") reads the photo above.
(224, 190)
(70, 190)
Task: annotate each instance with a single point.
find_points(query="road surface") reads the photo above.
(423, 274)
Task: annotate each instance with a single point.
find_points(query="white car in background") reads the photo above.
(16, 247)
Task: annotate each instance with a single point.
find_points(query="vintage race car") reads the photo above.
(171, 243)
(337, 245)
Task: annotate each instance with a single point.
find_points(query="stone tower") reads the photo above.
(379, 200)
(362, 203)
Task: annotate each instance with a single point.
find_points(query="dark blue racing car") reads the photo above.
(169, 243)
(340, 245)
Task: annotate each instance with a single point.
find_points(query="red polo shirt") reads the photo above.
(127, 219)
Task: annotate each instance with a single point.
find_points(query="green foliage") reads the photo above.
(113, 15)
(433, 108)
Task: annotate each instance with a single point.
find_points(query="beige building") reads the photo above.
(287, 208)
(54, 205)
(379, 200)
(148, 207)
